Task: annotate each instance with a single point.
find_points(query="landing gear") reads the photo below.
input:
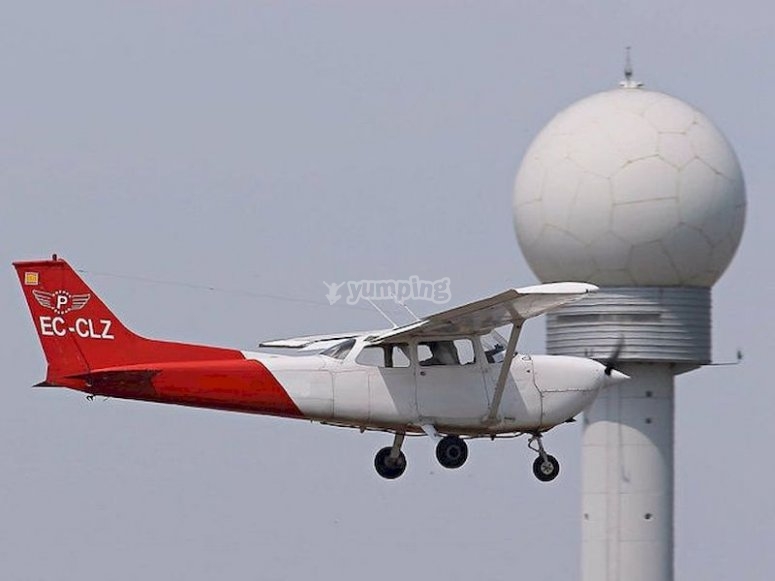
(390, 461)
(451, 452)
(545, 467)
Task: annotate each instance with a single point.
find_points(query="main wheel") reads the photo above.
(546, 470)
(451, 452)
(387, 467)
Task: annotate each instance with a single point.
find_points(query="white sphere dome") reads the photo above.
(630, 187)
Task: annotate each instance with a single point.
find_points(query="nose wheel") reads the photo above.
(546, 467)
(390, 461)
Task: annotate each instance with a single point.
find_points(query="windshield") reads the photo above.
(494, 346)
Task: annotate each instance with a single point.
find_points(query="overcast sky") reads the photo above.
(270, 146)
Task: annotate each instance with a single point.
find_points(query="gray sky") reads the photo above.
(269, 146)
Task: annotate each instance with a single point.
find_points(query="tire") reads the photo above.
(546, 471)
(451, 452)
(387, 468)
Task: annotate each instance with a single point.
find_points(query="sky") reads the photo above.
(261, 148)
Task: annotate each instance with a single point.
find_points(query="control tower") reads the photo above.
(639, 193)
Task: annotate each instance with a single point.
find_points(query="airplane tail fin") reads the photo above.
(80, 334)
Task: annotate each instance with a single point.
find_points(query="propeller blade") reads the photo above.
(613, 360)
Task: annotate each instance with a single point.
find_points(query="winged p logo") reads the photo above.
(61, 301)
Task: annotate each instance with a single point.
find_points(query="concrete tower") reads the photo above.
(639, 193)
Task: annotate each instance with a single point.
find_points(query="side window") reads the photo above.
(373, 356)
(391, 355)
(424, 355)
(457, 352)
(465, 351)
(398, 355)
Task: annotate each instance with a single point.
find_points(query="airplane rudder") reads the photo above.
(76, 329)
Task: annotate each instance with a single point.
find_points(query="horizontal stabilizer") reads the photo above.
(309, 342)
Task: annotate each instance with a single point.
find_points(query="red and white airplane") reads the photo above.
(449, 375)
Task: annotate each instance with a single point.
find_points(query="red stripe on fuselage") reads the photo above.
(236, 385)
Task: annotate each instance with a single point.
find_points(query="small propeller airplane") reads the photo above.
(449, 376)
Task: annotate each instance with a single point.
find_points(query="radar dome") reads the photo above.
(630, 187)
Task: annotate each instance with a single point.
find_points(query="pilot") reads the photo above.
(442, 353)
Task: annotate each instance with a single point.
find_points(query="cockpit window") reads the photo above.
(457, 352)
(340, 350)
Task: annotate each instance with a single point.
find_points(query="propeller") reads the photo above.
(613, 360)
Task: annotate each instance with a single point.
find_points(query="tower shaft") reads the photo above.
(627, 479)
(627, 450)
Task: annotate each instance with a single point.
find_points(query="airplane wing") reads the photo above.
(482, 316)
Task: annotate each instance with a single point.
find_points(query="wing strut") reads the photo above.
(503, 375)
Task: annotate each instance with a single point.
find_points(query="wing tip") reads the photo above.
(559, 288)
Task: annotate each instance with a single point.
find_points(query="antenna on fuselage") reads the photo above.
(408, 310)
(381, 312)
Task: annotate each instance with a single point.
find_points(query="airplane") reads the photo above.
(449, 376)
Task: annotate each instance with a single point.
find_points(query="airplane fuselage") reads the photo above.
(541, 391)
